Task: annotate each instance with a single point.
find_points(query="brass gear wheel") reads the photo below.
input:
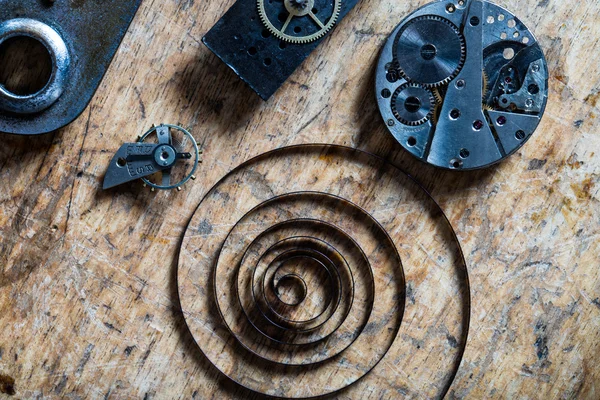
(438, 97)
(484, 84)
(437, 109)
(299, 9)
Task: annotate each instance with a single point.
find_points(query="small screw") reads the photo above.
(460, 84)
(529, 102)
(392, 76)
(536, 68)
(391, 122)
(501, 120)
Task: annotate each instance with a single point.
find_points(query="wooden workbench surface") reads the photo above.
(88, 288)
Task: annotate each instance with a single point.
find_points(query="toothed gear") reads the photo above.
(437, 96)
(485, 91)
(300, 9)
(437, 109)
(413, 104)
(429, 50)
(485, 81)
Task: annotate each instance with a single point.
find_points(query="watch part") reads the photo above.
(429, 50)
(264, 41)
(292, 280)
(165, 157)
(485, 71)
(81, 39)
(413, 104)
(309, 27)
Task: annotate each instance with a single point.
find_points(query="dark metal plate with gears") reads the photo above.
(264, 41)
(463, 84)
(168, 152)
(81, 38)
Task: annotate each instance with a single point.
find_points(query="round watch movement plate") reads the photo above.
(462, 85)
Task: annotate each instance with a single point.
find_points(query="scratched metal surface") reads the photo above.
(88, 278)
(92, 31)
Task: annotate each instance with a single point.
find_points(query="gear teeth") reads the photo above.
(484, 83)
(461, 61)
(432, 104)
(437, 96)
(438, 105)
(299, 39)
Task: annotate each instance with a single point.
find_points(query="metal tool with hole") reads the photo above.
(484, 71)
(159, 158)
(81, 39)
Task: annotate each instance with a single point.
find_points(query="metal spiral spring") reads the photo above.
(289, 283)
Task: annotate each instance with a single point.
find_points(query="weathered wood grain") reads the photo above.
(88, 278)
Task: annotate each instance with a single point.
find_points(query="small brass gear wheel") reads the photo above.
(437, 96)
(300, 9)
(437, 109)
(484, 84)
